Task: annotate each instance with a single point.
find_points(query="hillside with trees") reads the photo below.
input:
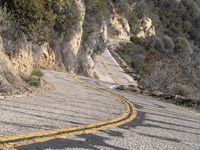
(168, 61)
(66, 35)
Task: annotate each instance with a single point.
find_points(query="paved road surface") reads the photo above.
(157, 126)
(108, 69)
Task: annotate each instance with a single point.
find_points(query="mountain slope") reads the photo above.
(67, 35)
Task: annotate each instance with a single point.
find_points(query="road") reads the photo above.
(107, 69)
(85, 113)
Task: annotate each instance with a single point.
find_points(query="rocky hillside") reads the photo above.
(61, 35)
(165, 48)
(67, 35)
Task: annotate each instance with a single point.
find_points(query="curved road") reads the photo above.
(158, 125)
(79, 102)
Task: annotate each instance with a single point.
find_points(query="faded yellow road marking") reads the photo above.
(74, 76)
(26, 139)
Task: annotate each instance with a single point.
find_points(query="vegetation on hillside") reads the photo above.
(39, 20)
(168, 62)
(35, 79)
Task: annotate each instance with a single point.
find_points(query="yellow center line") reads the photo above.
(128, 115)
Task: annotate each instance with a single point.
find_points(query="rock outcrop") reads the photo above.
(76, 49)
(146, 27)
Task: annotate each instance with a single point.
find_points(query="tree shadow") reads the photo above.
(99, 141)
(85, 141)
(161, 138)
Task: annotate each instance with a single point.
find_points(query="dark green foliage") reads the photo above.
(175, 18)
(122, 4)
(88, 33)
(133, 54)
(32, 16)
(97, 7)
(163, 44)
(138, 40)
(39, 19)
(66, 14)
(133, 22)
(37, 72)
(182, 46)
(128, 59)
(35, 79)
(7, 23)
(172, 58)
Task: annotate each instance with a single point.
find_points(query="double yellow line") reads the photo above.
(128, 115)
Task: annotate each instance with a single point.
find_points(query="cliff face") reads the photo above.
(84, 35)
(67, 35)
(79, 32)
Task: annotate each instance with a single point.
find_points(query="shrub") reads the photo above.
(187, 26)
(88, 33)
(134, 25)
(127, 58)
(4, 19)
(96, 7)
(33, 17)
(122, 4)
(37, 72)
(143, 68)
(67, 16)
(8, 24)
(161, 77)
(138, 40)
(157, 44)
(168, 43)
(182, 45)
(35, 79)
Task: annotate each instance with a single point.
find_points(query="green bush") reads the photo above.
(40, 19)
(8, 24)
(168, 42)
(35, 79)
(67, 16)
(134, 25)
(33, 17)
(182, 45)
(143, 68)
(187, 26)
(138, 40)
(88, 33)
(37, 72)
(96, 7)
(157, 44)
(127, 58)
(122, 4)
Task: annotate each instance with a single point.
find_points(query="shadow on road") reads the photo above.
(88, 141)
(94, 141)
